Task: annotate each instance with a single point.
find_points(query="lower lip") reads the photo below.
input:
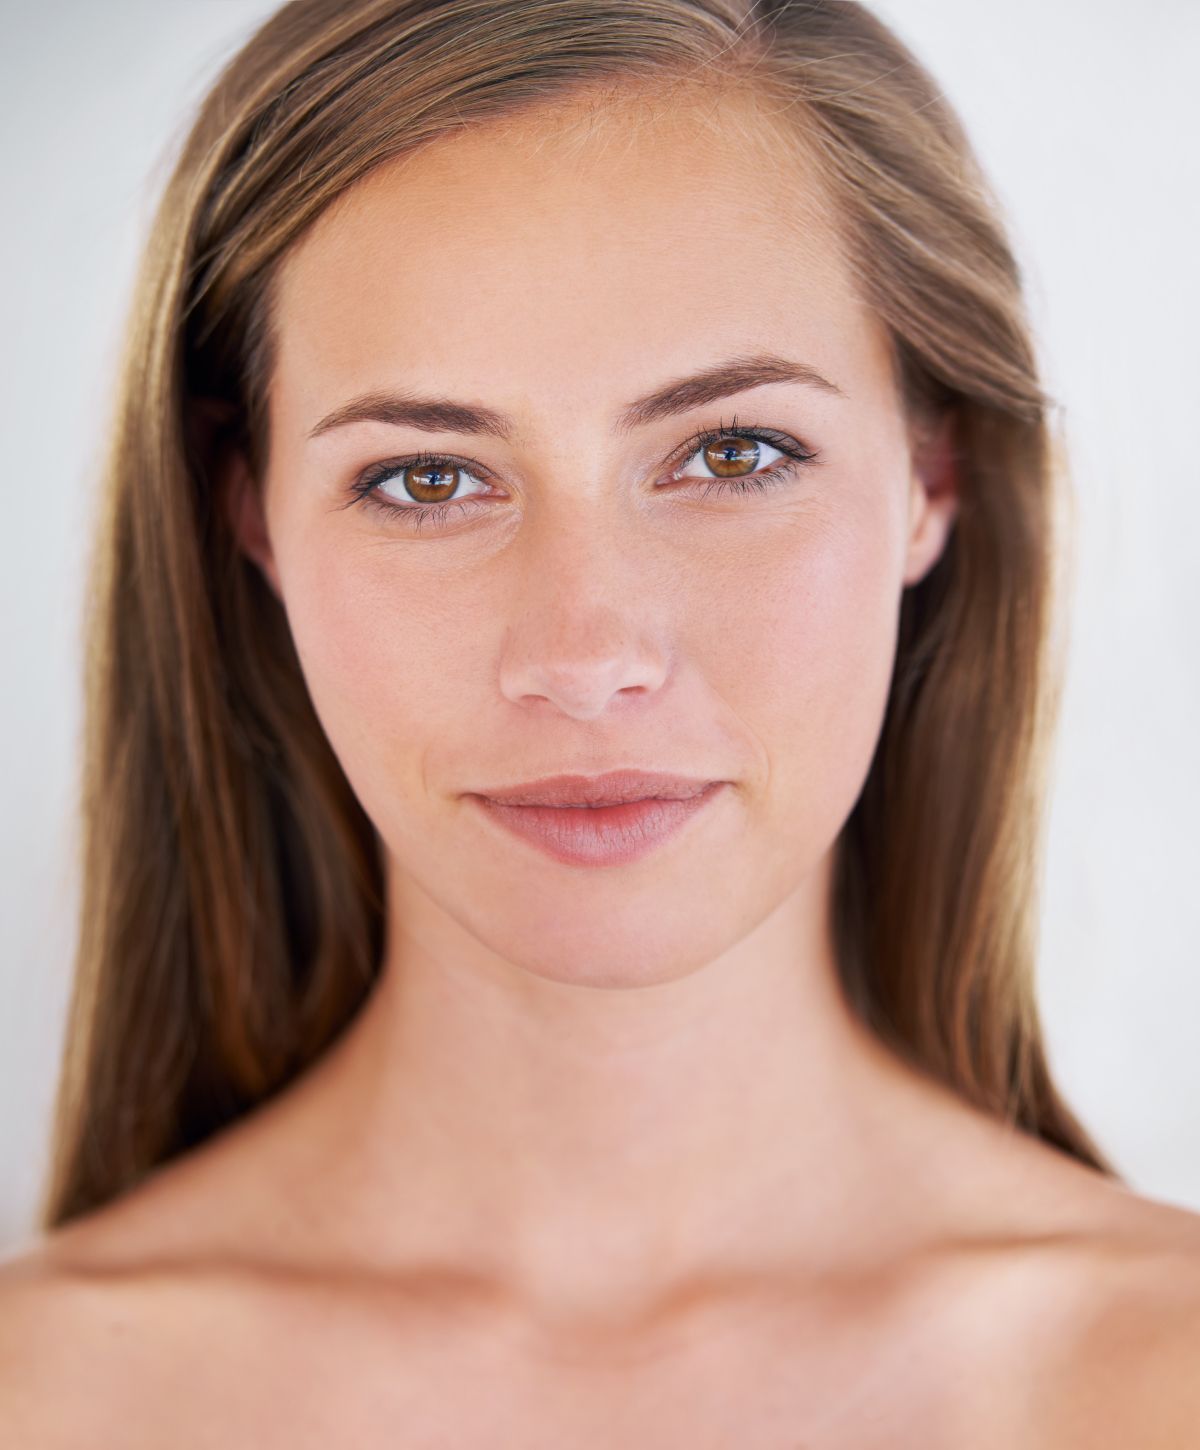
(599, 835)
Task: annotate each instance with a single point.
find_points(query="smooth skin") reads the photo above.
(605, 1160)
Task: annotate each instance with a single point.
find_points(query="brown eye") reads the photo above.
(430, 482)
(731, 456)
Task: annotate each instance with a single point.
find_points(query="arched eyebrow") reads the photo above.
(434, 415)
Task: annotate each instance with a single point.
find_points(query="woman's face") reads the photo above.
(597, 596)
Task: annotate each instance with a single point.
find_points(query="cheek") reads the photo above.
(808, 647)
(389, 657)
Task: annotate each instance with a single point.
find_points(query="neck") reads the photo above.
(590, 1145)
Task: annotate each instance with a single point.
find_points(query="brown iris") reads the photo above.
(416, 480)
(728, 459)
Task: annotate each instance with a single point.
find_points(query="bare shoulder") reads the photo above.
(124, 1297)
(1139, 1354)
(53, 1331)
(95, 1349)
(1106, 1353)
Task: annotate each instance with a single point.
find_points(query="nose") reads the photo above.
(585, 629)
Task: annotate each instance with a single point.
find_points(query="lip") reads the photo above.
(616, 787)
(601, 835)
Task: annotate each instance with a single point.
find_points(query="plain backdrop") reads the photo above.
(1086, 116)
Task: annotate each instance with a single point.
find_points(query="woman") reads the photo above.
(569, 700)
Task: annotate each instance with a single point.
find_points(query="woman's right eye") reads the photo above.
(428, 481)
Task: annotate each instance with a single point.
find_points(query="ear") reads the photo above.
(243, 503)
(234, 487)
(933, 493)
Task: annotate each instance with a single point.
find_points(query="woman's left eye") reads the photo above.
(733, 456)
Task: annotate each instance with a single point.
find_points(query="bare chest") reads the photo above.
(425, 1382)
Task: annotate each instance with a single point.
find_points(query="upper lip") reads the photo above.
(617, 787)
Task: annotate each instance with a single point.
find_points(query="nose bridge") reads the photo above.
(584, 628)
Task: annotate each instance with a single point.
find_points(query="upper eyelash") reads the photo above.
(364, 488)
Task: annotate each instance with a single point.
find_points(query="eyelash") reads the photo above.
(365, 488)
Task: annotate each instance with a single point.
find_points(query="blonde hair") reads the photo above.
(232, 909)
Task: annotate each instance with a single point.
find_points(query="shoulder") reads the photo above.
(1138, 1356)
(97, 1345)
(52, 1332)
(1065, 1307)
(1102, 1346)
(189, 1248)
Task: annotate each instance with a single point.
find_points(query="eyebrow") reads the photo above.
(680, 396)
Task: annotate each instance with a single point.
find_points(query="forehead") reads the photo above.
(569, 257)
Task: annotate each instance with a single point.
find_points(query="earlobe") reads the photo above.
(933, 495)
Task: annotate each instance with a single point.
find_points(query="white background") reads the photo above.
(1086, 115)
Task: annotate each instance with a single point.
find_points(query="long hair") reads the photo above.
(232, 906)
